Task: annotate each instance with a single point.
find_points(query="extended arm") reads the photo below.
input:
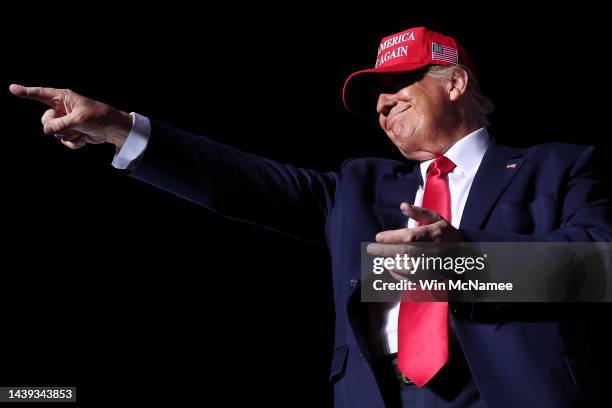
(222, 178)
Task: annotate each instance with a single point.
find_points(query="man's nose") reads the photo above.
(386, 102)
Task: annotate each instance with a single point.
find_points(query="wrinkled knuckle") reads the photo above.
(46, 116)
(435, 233)
(80, 117)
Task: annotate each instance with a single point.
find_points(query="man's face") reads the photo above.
(417, 115)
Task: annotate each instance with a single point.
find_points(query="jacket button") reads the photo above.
(353, 283)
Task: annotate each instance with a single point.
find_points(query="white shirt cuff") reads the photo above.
(135, 144)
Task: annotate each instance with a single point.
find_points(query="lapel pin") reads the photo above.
(511, 166)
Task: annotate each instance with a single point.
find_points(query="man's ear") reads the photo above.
(458, 84)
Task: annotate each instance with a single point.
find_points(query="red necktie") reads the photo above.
(423, 326)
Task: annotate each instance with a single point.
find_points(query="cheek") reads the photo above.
(424, 117)
(410, 121)
(434, 107)
(428, 109)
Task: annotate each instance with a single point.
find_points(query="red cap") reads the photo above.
(408, 50)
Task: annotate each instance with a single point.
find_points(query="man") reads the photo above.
(466, 188)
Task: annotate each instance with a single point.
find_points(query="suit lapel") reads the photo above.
(499, 166)
(391, 191)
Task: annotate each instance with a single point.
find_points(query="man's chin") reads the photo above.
(418, 155)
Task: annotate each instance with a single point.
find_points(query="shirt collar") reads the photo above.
(467, 153)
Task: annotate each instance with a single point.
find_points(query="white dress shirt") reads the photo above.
(467, 154)
(135, 144)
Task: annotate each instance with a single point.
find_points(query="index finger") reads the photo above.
(403, 235)
(421, 215)
(48, 96)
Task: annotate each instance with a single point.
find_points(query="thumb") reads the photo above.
(61, 124)
(420, 214)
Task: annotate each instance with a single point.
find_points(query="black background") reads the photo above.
(132, 294)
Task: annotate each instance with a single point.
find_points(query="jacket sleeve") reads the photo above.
(236, 184)
(586, 210)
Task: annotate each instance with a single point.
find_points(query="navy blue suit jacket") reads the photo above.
(554, 192)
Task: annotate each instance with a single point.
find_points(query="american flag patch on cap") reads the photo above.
(442, 53)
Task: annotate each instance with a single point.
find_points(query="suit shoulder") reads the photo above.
(567, 151)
